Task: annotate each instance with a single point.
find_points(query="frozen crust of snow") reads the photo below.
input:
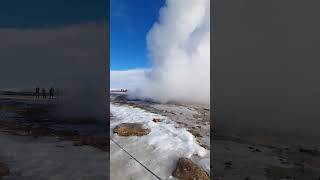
(163, 146)
(164, 135)
(126, 167)
(48, 158)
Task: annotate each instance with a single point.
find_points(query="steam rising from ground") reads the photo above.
(179, 46)
(129, 79)
(71, 58)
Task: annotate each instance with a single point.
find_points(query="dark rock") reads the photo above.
(157, 120)
(131, 129)
(256, 150)
(312, 152)
(228, 164)
(188, 170)
(205, 146)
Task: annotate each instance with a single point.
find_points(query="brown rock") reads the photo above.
(195, 132)
(131, 129)
(4, 170)
(100, 143)
(188, 170)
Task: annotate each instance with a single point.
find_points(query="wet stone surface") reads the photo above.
(131, 129)
(188, 170)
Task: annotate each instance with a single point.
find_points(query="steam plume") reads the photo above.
(70, 58)
(179, 47)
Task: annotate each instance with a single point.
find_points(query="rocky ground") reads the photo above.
(171, 139)
(195, 118)
(261, 155)
(37, 145)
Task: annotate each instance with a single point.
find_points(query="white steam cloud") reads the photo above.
(69, 58)
(132, 79)
(179, 47)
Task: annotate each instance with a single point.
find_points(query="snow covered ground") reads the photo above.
(159, 150)
(48, 158)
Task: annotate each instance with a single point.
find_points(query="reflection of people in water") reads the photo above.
(37, 94)
(44, 93)
(51, 92)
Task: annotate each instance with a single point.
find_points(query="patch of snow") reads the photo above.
(164, 135)
(126, 167)
(48, 158)
(163, 146)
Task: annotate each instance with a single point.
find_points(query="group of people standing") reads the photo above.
(44, 93)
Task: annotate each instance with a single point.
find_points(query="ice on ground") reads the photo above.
(126, 167)
(48, 158)
(162, 147)
(164, 135)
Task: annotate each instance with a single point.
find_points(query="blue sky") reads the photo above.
(130, 20)
(50, 13)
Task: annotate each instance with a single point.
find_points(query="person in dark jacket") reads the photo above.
(51, 92)
(37, 94)
(44, 93)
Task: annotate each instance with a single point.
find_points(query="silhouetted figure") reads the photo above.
(37, 94)
(51, 92)
(44, 93)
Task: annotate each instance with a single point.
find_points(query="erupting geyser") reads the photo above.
(179, 46)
